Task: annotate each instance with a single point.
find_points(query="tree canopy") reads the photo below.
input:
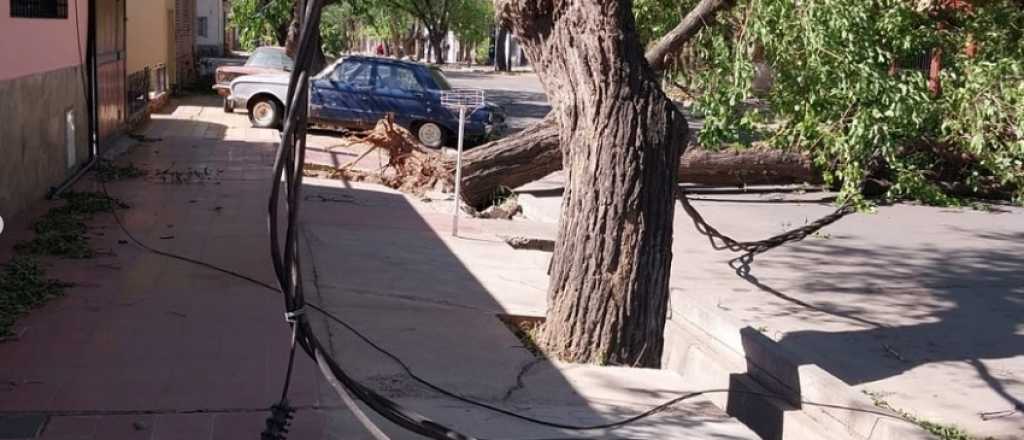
(924, 97)
(261, 22)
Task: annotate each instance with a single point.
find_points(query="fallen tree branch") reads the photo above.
(698, 18)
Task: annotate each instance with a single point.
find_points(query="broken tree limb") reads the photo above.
(695, 20)
(361, 157)
(529, 156)
(755, 166)
(411, 167)
(509, 163)
(535, 152)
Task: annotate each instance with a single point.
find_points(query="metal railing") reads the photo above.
(137, 94)
(159, 78)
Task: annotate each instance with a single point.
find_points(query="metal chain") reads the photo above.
(720, 241)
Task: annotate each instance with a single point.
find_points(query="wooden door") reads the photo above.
(110, 66)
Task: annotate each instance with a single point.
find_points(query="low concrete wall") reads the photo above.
(770, 389)
(34, 153)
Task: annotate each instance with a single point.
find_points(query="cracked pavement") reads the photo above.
(146, 347)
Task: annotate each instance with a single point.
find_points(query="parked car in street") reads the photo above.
(357, 91)
(264, 60)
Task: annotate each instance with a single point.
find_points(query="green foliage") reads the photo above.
(943, 432)
(61, 231)
(482, 54)
(258, 21)
(473, 21)
(382, 22)
(434, 15)
(23, 286)
(338, 28)
(107, 171)
(847, 87)
(655, 18)
(989, 124)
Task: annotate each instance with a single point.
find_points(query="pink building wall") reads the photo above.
(37, 45)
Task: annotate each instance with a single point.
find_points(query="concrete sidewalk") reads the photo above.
(920, 307)
(146, 347)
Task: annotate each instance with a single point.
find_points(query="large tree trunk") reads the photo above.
(608, 293)
(509, 162)
(747, 167)
(291, 45)
(500, 57)
(437, 45)
(518, 167)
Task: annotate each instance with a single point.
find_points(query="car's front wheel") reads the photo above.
(430, 134)
(265, 112)
(228, 106)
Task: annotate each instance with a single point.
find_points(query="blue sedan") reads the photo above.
(358, 91)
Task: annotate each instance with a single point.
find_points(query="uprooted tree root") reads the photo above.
(411, 167)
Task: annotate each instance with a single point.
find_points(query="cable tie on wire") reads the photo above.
(294, 315)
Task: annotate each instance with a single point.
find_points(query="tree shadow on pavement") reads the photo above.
(389, 269)
(933, 303)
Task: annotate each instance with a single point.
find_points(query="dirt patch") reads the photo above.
(527, 330)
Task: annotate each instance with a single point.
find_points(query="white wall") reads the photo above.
(213, 11)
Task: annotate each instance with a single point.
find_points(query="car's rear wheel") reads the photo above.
(430, 134)
(265, 112)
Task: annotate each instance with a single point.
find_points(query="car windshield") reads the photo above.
(439, 79)
(271, 58)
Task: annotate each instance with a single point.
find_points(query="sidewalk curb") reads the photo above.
(714, 351)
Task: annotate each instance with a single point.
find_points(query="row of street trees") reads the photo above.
(403, 27)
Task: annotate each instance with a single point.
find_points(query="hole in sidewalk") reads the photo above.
(526, 329)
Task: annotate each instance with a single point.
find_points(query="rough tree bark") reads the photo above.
(608, 292)
(500, 57)
(509, 162)
(436, 39)
(523, 166)
(698, 18)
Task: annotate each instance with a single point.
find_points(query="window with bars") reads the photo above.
(39, 8)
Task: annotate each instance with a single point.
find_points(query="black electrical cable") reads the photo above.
(412, 374)
(290, 156)
(288, 164)
(390, 355)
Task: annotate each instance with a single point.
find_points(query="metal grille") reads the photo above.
(138, 92)
(39, 8)
(160, 74)
(467, 98)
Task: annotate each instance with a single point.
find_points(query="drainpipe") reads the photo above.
(90, 102)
